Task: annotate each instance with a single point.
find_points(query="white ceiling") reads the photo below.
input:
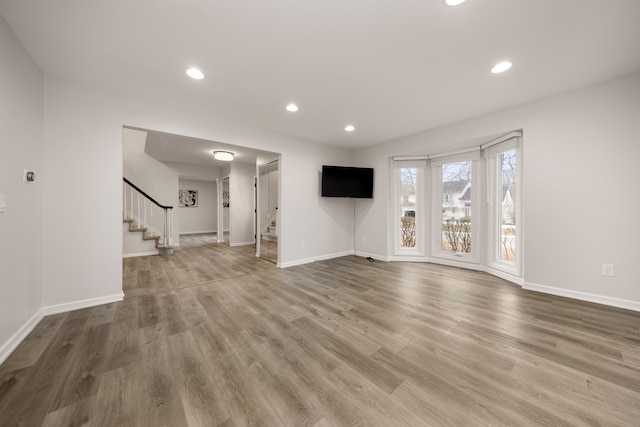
(389, 67)
(194, 151)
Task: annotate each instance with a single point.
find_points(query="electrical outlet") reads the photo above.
(303, 243)
(607, 270)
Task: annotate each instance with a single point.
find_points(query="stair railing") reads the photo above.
(147, 213)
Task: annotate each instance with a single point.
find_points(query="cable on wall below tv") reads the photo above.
(355, 251)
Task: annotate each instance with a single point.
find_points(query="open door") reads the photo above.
(268, 214)
(223, 211)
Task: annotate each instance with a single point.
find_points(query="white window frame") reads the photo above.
(486, 209)
(437, 162)
(492, 152)
(420, 164)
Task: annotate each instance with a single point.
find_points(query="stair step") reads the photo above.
(164, 249)
(132, 226)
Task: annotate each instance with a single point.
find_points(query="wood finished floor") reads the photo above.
(333, 343)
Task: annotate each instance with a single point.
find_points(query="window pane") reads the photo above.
(507, 211)
(456, 207)
(408, 207)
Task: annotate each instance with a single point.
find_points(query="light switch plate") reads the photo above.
(3, 203)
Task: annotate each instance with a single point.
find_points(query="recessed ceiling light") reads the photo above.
(292, 108)
(454, 2)
(194, 73)
(501, 67)
(349, 128)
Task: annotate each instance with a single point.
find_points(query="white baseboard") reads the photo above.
(584, 296)
(296, 262)
(242, 243)
(333, 255)
(404, 258)
(77, 305)
(137, 254)
(185, 233)
(314, 259)
(374, 256)
(12, 343)
(15, 340)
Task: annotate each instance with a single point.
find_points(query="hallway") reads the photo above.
(198, 260)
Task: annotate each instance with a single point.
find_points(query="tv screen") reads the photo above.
(344, 181)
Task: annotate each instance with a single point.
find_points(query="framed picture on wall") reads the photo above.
(188, 198)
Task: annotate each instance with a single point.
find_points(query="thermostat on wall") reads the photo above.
(28, 176)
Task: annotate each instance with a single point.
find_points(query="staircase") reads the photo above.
(142, 214)
(147, 235)
(271, 234)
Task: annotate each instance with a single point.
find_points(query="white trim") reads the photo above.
(455, 153)
(420, 223)
(505, 276)
(509, 142)
(407, 258)
(12, 343)
(16, 339)
(498, 140)
(458, 264)
(374, 256)
(404, 158)
(478, 267)
(197, 232)
(314, 259)
(301, 262)
(471, 156)
(583, 296)
(477, 214)
(242, 243)
(137, 254)
(334, 255)
(418, 164)
(77, 305)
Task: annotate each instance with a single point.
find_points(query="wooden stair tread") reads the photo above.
(164, 249)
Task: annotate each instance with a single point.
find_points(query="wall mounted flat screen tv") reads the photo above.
(344, 181)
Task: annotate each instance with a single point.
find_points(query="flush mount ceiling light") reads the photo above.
(501, 67)
(225, 156)
(454, 2)
(194, 73)
(292, 108)
(349, 128)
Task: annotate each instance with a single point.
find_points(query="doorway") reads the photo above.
(268, 213)
(223, 211)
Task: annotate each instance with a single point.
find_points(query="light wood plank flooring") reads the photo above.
(334, 343)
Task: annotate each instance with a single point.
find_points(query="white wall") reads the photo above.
(62, 236)
(21, 147)
(203, 218)
(195, 172)
(241, 204)
(268, 198)
(83, 138)
(151, 176)
(580, 178)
